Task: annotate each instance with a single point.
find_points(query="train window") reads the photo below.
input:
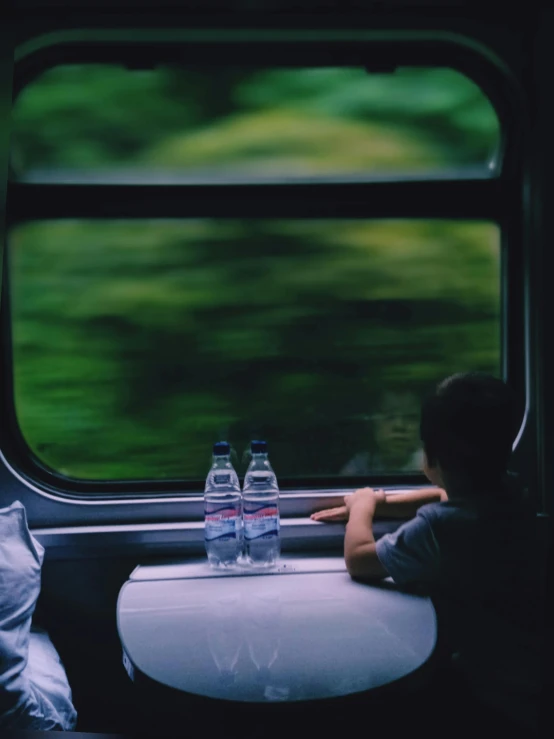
(295, 252)
(137, 343)
(108, 123)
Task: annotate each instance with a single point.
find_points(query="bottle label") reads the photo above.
(221, 522)
(262, 479)
(223, 479)
(260, 521)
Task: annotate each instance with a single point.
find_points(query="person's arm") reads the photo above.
(403, 504)
(360, 553)
(410, 555)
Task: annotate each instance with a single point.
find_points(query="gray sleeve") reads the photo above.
(411, 554)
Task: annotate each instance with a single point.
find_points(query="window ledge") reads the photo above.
(74, 542)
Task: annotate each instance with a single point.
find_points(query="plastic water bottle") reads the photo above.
(260, 501)
(222, 510)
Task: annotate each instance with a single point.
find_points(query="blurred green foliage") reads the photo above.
(290, 121)
(138, 344)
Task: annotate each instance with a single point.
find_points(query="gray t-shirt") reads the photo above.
(482, 564)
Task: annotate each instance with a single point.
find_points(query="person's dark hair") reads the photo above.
(468, 426)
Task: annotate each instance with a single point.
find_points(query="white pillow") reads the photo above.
(34, 691)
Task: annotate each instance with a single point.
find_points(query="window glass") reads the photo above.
(102, 123)
(137, 344)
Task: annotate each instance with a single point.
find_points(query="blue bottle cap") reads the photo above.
(258, 447)
(221, 449)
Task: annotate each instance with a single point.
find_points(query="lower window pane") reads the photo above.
(138, 344)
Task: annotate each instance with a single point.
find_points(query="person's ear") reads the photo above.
(425, 464)
(431, 470)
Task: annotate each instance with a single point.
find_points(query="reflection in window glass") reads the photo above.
(99, 122)
(138, 344)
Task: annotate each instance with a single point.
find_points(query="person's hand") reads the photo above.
(367, 497)
(331, 515)
(341, 514)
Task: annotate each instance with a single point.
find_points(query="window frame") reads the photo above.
(492, 195)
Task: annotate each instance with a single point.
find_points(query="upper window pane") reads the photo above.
(103, 123)
(136, 345)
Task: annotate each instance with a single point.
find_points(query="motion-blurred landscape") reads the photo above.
(138, 343)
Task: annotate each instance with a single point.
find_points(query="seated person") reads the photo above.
(396, 445)
(476, 553)
(34, 692)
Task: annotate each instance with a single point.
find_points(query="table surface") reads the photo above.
(303, 631)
